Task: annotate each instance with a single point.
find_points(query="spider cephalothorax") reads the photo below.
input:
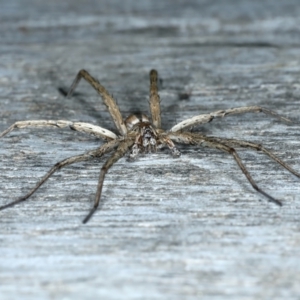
(138, 134)
(147, 138)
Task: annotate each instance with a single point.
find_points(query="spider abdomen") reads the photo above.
(136, 119)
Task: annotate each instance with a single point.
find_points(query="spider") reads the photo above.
(138, 134)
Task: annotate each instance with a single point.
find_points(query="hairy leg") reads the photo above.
(68, 161)
(108, 100)
(206, 118)
(154, 100)
(258, 147)
(77, 126)
(197, 139)
(120, 152)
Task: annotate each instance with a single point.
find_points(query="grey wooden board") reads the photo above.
(190, 228)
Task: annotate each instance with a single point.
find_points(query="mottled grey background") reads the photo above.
(191, 228)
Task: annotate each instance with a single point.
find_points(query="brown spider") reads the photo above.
(138, 134)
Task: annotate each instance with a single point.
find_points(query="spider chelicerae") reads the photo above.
(138, 134)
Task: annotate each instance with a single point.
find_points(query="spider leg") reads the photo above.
(197, 139)
(247, 174)
(120, 152)
(206, 118)
(154, 100)
(68, 161)
(78, 126)
(167, 141)
(258, 147)
(108, 100)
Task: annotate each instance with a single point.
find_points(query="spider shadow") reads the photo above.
(79, 97)
(88, 107)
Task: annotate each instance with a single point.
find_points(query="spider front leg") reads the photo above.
(206, 118)
(210, 142)
(68, 161)
(120, 152)
(108, 100)
(258, 147)
(77, 126)
(246, 173)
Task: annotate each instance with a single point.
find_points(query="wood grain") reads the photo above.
(189, 228)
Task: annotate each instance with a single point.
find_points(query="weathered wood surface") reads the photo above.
(190, 228)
